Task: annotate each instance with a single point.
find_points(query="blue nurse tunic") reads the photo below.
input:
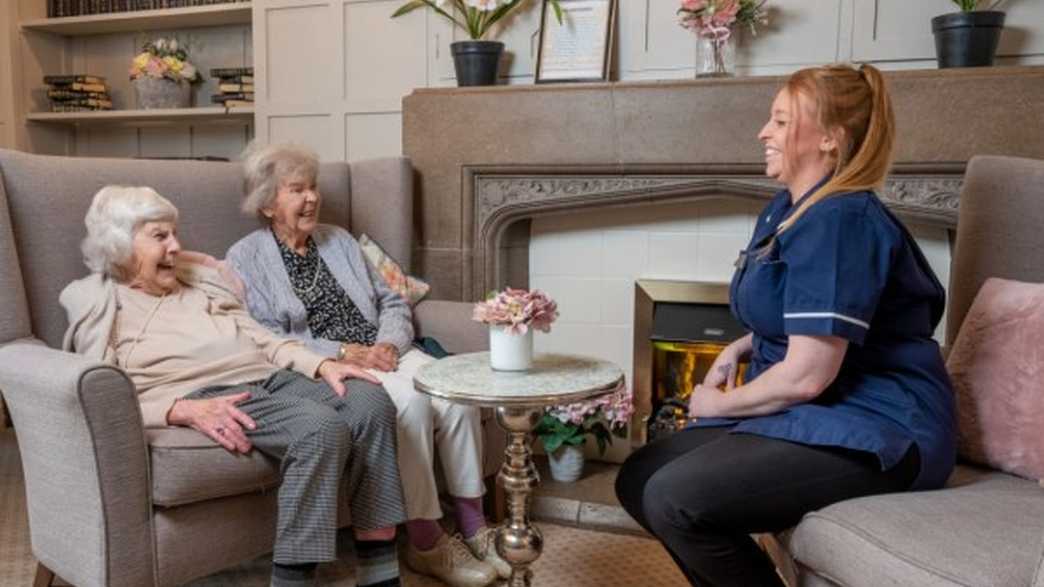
(849, 268)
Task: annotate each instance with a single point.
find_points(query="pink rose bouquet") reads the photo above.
(518, 310)
(714, 19)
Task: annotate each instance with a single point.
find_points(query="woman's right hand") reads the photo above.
(218, 418)
(376, 357)
(725, 369)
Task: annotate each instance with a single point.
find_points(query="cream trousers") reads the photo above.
(427, 424)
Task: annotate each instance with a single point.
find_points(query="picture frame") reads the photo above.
(580, 48)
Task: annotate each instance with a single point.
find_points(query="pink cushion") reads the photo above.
(997, 364)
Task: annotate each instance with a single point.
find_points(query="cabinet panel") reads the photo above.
(895, 29)
(165, 142)
(373, 135)
(800, 32)
(659, 40)
(900, 29)
(301, 42)
(220, 140)
(108, 142)
(315, 130)
(385, 59)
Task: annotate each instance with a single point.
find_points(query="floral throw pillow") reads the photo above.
(408, 287)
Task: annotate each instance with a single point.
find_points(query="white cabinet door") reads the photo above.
(901, 30)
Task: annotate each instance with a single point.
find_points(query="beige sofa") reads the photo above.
(986, 529)
(109, 502)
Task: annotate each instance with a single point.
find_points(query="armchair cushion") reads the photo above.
(985, 529)
(188, 467)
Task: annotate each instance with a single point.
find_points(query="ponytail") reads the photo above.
(853, 104)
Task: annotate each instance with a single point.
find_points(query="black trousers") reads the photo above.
(703, 491)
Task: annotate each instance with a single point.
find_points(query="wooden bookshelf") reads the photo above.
(140, 117)
(141, 20)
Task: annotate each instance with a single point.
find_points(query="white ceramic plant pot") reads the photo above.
(510, 352)
(567, 463)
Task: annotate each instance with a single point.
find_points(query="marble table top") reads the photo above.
(554, 379)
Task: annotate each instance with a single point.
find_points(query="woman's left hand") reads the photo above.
(334, 373)
(705, 401)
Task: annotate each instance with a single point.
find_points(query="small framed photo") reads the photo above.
(580, 47)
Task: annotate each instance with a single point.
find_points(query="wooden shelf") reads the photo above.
(160, 116)
(142, 20)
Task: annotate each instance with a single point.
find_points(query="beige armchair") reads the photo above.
(112, 503)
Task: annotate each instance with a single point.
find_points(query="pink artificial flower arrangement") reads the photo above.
(602, 417)
(518, 310)
(714, 19)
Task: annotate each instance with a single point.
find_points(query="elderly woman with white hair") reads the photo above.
(197, 359)
(310, 281)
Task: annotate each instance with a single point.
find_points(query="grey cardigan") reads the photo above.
(271, 299)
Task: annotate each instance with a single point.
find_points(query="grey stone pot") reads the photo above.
(162, 93)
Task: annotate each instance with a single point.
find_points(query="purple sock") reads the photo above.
(470, 518)
(424, 533)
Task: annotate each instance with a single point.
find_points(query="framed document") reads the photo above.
(578, 49)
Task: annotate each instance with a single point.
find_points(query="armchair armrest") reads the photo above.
(450, 323)
(85, 460)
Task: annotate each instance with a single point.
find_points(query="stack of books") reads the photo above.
(77, 93)
(235, 86)
(60, 8)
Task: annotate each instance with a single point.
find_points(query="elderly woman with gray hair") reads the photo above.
(310, 281)
(174, 325)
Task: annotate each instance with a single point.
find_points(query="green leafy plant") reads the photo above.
(971, 5)
(601, 418)
(474, 16)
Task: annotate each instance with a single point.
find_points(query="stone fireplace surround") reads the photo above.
(488, 160)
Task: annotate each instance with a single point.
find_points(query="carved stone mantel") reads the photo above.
(488, 158)
(506, 194)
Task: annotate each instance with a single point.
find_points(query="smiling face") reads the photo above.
(798, 152)
(155, 248)
(294, 213)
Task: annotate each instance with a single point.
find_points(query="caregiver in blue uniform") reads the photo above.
(846, 394)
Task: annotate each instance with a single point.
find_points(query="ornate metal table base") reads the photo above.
(519, 542)
(519, 398)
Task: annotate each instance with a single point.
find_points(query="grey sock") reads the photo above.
(378, 563)
(299, 575)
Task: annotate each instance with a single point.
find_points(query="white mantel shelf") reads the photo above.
(141, 20)
(158, 116)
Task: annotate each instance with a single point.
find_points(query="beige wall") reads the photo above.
(339, 88)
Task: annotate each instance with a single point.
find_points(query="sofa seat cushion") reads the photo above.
(984, 529)
(188, 467)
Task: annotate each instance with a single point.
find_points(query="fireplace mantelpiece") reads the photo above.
(503, 195)
(489, 157)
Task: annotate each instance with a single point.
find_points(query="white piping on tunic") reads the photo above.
(855, 321)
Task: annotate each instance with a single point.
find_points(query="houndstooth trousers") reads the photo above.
(318, 437)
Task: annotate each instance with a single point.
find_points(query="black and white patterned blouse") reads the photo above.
(331, 313)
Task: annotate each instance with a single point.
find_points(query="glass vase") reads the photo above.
(715, 56)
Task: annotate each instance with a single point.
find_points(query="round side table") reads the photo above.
(519, 398)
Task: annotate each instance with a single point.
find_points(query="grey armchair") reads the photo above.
(110, 502)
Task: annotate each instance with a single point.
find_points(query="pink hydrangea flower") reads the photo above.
(518, 310)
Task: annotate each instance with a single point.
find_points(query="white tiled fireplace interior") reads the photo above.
(589, 260)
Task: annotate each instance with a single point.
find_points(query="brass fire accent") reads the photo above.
(647, 292)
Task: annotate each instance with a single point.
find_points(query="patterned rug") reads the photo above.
(572, 557)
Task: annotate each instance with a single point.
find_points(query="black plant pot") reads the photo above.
(476, 62)
(967, 39)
